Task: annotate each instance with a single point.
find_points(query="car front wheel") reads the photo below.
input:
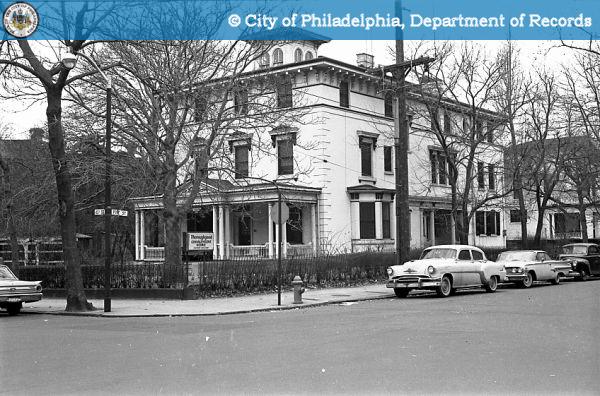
(14, 308)
(528, 281)
(445, 287)
(556, 280)
(492, 285)
(401, 293)
(583, 274)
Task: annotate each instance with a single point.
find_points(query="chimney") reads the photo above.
(365, 60)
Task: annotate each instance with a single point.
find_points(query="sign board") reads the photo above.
(285, 212)
(200, 241)
(114, 212)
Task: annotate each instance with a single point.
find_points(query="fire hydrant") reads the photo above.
(298, 289)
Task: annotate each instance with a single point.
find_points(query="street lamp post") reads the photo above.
(69, 61)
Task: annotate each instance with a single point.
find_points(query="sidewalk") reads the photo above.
(216, 306)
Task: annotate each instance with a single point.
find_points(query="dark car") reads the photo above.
(584, 256)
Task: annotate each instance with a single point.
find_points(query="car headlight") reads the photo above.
(390, 271)
(430, 270)
(38, 288)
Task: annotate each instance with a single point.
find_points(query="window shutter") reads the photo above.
(480, 223)
(385, 219)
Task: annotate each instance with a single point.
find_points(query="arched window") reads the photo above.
(277, 56)
(298, 55)
(308, 55)
(264, 61)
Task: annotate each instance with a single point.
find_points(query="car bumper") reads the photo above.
(17, 298)
(515, 277)
(423, 283)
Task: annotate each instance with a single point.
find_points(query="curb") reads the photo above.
(101, 314)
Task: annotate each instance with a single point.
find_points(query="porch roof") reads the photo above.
(219, 192)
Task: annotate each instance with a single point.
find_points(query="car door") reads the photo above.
(542, 267)
(594, 259)
(463, 264)
(478, 261)
(471, 269)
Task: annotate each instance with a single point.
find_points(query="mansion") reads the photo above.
(333, 169)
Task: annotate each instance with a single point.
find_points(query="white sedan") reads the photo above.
(446, 268)
(14, 292)
(524, 267)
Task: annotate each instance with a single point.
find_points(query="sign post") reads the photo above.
(280, 214)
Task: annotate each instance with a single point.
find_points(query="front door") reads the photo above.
(245, 231)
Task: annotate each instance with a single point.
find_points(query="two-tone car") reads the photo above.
(446, 268)
(585, 258)
(523, 267)
(15, 292)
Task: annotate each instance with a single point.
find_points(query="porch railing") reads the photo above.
(567, 235)
(373, 245)
(240, 252)
(154, 253)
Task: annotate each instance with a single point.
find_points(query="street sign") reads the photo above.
(200, 241)
(285, 212)
(114, 212)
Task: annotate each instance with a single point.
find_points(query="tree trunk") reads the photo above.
(582, 219)
(541, 206)
(76, 299)
(173, 266)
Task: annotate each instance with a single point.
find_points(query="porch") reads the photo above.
(238, 223)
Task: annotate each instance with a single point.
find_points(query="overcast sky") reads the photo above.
(20, 119)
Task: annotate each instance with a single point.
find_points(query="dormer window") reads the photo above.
(298, 55)
(265, 61)
(277, 57)
(308, 56)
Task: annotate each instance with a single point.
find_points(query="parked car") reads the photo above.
(14, 292)
(524, 267)
(585, 258)
(446, 268)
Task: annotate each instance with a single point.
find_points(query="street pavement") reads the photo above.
(216, 306)
(542, 340)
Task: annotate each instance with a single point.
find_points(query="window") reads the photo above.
(264, 61)
(447, 123)
(479, 130)
(241, 161)
(387, 158)
(366, 148)
(567, 222)
(434, 117)
(464, 255)
(367, 220)
(285, 157)
(491, 177)
(200, 105)
(284, 93)
(481, 175)
(388, 105)
(465, 126)
(477, 255)
(344, 94)
(294, 226)
(515, 216)
(490, 134)
(308, 56)
(440, 167)
(385, 219)
(298, 55)
(277, 56)
(240, 101)
(593, 250)
(487, 223)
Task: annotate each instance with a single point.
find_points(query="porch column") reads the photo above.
(137, 235)
(142, 235)
(227, 231)
(221, 233)
(284, 239)
(378, 222)
(355, 220)
(215, 230)
(313, 228)
(432, 226)
(270, 230)
(276, 239)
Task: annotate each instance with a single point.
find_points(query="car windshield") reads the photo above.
(516, 256)
(6, 274)
(438, 253)
(574, 249)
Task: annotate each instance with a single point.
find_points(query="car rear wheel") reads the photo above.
(492, 285)
(556, 280)
(583, 274)
(445, 287)
(14, 308)
(528, 280)
(401, 293)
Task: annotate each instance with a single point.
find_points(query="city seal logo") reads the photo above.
(20, 20)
